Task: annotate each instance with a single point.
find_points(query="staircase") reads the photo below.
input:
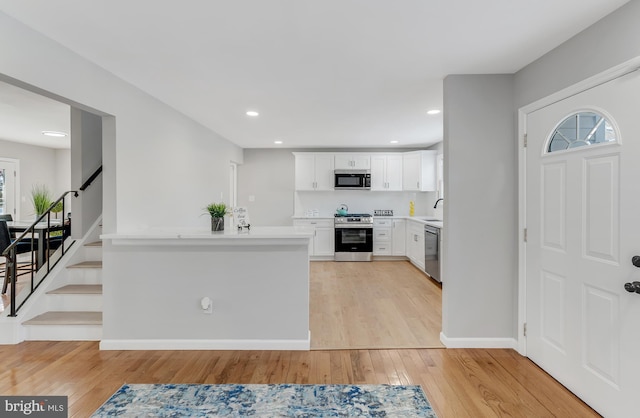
(70, 308)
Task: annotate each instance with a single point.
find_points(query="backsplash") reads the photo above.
(324, 204)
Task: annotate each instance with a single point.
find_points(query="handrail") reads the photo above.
(91, 179)
(43, 258)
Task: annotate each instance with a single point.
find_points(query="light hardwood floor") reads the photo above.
(382, 304)
(459, 383)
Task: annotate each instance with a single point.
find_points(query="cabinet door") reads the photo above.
(393, 172)
(324, 242)
(420, 250)
(305, 176)
(342, 162)
(411, 171)
(378, 177)
(324, 177)
(398, 239)
(361, 162)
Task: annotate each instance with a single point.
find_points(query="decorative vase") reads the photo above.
(217, 224)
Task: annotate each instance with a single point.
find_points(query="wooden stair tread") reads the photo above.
(66, 318)
(86, 264)
(94, 244)
(81, 289)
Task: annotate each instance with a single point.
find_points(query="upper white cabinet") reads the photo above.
(386, 172)
(419, 171)
(314, 171)
(352, 161)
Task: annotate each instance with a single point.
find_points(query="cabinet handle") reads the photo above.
(418, 184)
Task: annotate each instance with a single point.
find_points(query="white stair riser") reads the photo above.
(84, 276)
(74, 302)
(92, 253)
(63, 332)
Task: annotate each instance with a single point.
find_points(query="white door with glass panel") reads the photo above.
(583, 230)
(8, 173)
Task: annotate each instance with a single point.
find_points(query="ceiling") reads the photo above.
(330, 73)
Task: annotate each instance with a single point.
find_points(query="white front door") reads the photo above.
(583, 228)
(8, 175)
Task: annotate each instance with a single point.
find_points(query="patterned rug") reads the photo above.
(267, 401)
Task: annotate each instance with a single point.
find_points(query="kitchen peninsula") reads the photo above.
(257, 282)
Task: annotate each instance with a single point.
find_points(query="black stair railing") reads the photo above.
(45, 235)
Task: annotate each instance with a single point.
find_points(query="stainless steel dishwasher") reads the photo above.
(432, 252)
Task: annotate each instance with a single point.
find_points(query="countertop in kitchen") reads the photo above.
(427, 220)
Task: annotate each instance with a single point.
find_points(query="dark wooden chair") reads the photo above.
(22, 248)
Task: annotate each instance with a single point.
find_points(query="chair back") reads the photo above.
(6, 217)
(5, 236)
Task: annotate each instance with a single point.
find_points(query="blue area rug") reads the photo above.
(267, 401)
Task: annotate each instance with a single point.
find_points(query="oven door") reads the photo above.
(354, 239)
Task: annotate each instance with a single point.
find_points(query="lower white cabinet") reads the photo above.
(322, 243)
(398, 241)
(415, 243)
(389, 237)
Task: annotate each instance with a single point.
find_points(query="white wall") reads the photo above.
(480, 236)
(168, 166)
(38, 165)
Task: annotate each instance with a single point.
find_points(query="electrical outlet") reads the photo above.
(207, 305)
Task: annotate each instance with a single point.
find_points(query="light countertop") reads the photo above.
(427, 220)
(265, 233)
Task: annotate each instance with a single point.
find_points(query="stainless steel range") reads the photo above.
(353, 237)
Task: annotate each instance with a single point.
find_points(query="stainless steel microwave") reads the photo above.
(352, 180)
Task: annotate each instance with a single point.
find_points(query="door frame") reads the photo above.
(16, 190)
(584, 85)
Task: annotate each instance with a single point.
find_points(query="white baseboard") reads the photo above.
(298, 345)
(478, 342)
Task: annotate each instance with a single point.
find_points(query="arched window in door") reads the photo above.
(581, 129)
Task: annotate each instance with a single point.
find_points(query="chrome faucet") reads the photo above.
(437, 201)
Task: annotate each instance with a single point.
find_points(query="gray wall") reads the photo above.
(479, 265)
(480, 252)
(267, 174)
(86, 158)
(607, 43)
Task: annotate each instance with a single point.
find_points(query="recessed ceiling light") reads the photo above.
(252, 113)
(54, 133)
(277, 142)
(433, 112)
(394, 142)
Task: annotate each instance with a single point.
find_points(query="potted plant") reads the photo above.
(217, 212)
(41, 199)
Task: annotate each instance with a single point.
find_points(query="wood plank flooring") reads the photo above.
(382, 304)
(457, 382)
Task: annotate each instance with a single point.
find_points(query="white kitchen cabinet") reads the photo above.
(314, 171)
(415, 243)
(398, 240)
(386, 172)
(389, 237)
(352, 161)
(382, 236)
(322, 243)
(419, 171)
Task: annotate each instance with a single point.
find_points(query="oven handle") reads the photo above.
(346, 226)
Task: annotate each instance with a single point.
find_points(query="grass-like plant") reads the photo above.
(217, 210)
(41, 199)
